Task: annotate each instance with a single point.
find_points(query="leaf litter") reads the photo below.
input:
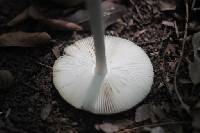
(139, 22)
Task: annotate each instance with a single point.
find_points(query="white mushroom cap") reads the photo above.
(128, 79)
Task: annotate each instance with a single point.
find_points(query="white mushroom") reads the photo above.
(103, 79)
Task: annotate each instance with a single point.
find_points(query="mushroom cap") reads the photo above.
(128, 79)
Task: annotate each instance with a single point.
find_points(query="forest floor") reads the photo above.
(33, 105)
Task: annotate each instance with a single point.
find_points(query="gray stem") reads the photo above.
(96, 23)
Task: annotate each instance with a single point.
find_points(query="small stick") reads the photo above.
(45, 65)
(184, 105)
(155, 125)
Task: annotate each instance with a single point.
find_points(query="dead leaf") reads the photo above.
(196, 45)
(168, 23)
(196, 116)
(114, 1)
(184, 81)
(46, 111)
(56, 51)
(194, 68)
(24, 39)
(6, 79)
(143, 113)
(19, 18)
(157, 130)
(30, 12)
(107, 127)
(158, 112)
(56, 24)
(111, 12)
(167, 5)
(114, 126)
(68, 3)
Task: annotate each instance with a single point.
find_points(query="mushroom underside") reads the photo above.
(127, 82)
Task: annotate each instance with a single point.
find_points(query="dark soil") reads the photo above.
(21, 105)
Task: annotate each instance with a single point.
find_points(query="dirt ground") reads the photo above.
(33, 105)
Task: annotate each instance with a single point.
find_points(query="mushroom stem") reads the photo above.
(96, 23)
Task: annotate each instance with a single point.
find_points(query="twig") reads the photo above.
(44, 65)
(155, 125)
(184, 105)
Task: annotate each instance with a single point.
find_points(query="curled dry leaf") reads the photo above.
(6, 79)
(23, 39)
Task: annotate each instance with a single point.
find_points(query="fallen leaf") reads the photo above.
(168, 23)
(56, 24)
(115, 1)
(107, 127)
(196, 45)
(196, 116)
(19, 18)
(46, 110)
(24, 39)
(194, 68)
(111, 12)
(167, 5)
(143, 113)
(157, 130)
(6, 79)
(68, 3)
(56, 51)
(158, 112)
(184, 81)
(30, 12)
(114, 126)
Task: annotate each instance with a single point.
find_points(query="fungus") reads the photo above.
(103, 74)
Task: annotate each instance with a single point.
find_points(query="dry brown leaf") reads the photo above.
(6, 79)
(56, 24)
(23, 39)
(167, 5)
